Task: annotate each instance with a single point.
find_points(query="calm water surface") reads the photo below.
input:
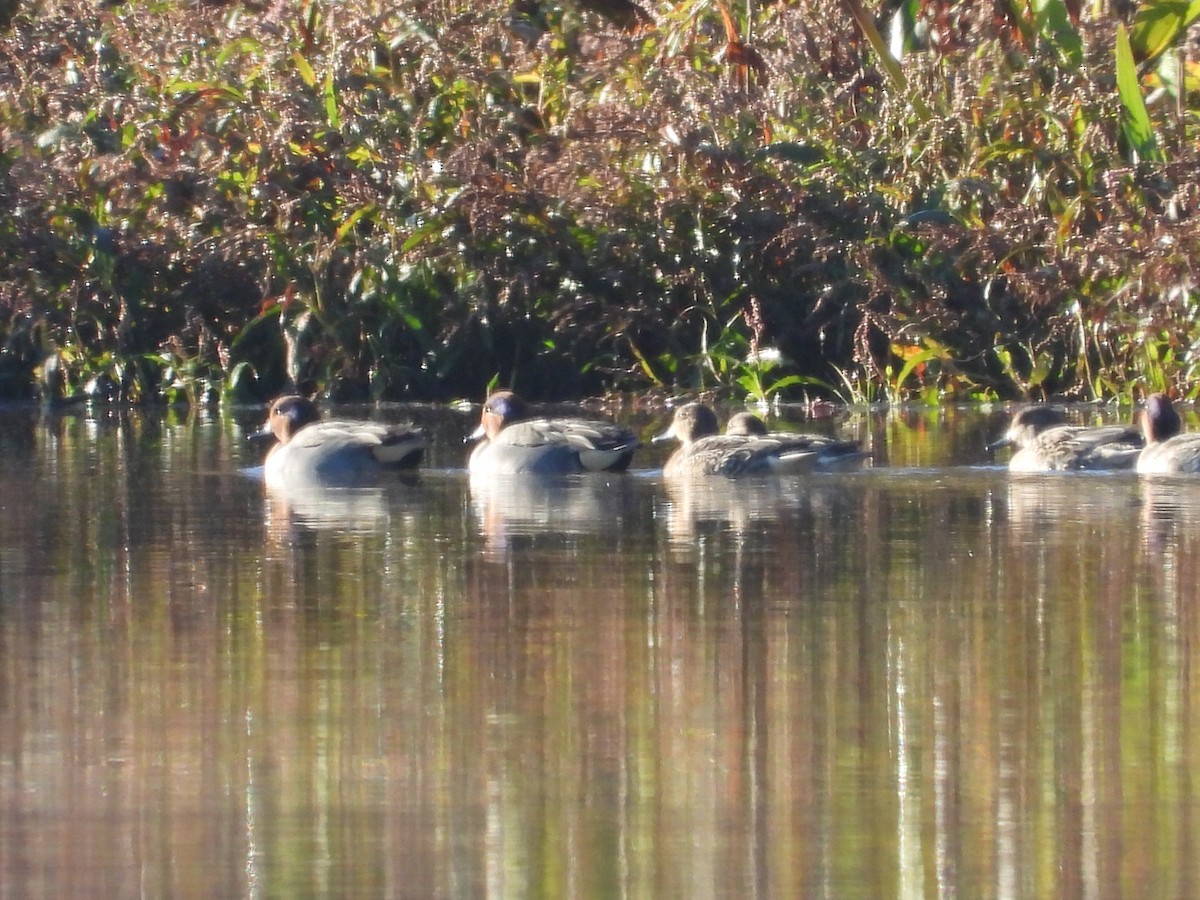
(929, 679)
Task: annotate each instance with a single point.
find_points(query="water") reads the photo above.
(930, 679)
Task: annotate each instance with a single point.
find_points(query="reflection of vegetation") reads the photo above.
(387, 199)
(812, 701)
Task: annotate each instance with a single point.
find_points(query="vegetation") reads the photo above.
(936, 200)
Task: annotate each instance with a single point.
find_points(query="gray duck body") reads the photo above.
(512, 442)
(309, 450)
(831, 453)
(1044, 442)
(705, 452)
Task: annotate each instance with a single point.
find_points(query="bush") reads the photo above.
(415, 200)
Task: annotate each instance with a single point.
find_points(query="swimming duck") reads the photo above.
(512, 442)
(1167, 451)
(705, 452)
(745, 423)
(831, 453)
(312, 451)
(1045, 443)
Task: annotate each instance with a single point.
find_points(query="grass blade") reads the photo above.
(1136, 124)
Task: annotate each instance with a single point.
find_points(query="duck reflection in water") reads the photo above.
(296, 509)
(1040, 508)
(552, 508)
(694, 506)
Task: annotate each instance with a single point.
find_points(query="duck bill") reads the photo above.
(476, 435)
(263, 433)
(667, 435)
(999, 444)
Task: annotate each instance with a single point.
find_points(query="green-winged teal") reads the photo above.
(831, 453)
(1167, 451)
(312, 451)
(1046, 443)
(705, 452)
(512, 442)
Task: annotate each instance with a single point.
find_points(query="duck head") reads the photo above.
(288, 414)
(500, 409)
(692, 421)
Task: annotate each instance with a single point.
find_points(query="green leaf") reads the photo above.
(244, 46)
(1159, 25)
(1041, 371)
(866, 24)
(785, 381)
(1019, 15)
(915, 361)
(307, 75)
(331, 107)
(1054, 23)
(1136, 124)
(351, 220)
(204, 89)
(421, 234)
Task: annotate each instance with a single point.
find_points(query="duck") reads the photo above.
(512, 441)
(1046, 443)
(745, 423)
(1167, 452)
(831, 453)
(309, 450)
(704, 451)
